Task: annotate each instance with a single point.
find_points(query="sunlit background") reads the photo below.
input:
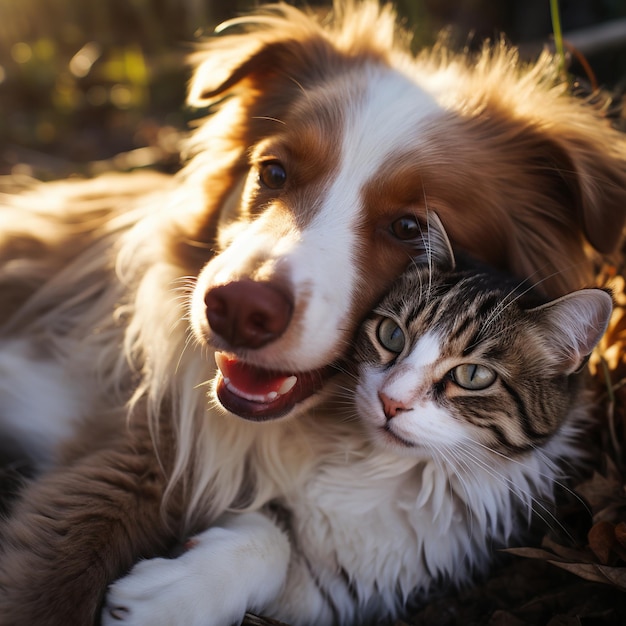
(93, 85)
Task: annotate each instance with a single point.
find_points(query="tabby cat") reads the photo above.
(469, 398)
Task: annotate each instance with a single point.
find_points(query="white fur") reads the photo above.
(40, 402)
(395, 524)
(248, 557)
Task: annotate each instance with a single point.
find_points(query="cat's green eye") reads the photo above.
(473, 376)
(390, 335)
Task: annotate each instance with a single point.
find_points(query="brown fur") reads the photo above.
(84, 525)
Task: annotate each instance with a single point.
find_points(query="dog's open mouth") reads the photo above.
(258, 394)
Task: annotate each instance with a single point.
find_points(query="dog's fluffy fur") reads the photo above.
(103, 283)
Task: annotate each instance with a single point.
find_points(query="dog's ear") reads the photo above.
(591, 163)
(281, 41)
(255, 49)
(217, 69)
(245, 58)
(562, 168)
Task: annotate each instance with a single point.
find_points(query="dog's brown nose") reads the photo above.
(248, 314)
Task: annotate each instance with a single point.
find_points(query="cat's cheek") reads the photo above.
(367, 403)
(369, 416)
(429, 425)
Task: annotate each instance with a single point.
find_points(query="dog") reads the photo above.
(144, 315)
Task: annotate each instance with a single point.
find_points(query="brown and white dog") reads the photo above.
(305, 194)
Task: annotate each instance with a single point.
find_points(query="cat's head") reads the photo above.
(460, 356)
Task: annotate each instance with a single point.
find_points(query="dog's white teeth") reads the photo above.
(287, 385)
(252, 397)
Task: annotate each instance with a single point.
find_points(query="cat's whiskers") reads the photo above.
(460, 456)
(524, 495)
(344, 399)
(429, 252)
(416, 262)
(521, 494)
(507, 301)
(466, 467)
(538, 451)
(428, 243)
(348, 371)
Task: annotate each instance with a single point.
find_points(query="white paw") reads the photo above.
(159, 592)
(225, 571)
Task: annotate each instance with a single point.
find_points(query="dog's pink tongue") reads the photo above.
(258, 394)
(251, 383)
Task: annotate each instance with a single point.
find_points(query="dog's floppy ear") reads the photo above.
(218, 70)
(592, 164)
(264, 45)
(227, 66)
(282, 41)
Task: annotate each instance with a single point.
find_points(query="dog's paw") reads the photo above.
(224, 571)
(161, 592)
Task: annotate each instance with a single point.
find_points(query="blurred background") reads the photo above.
(91, 85)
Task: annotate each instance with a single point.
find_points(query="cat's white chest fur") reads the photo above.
(363, 522)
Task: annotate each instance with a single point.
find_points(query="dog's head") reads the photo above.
(327, 149)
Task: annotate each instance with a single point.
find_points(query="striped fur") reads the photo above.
(471, 315)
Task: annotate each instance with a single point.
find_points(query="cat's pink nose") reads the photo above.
(391, 407)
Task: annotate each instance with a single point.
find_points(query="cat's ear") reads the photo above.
(573, 325)
(437, 249)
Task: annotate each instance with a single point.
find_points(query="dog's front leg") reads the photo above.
(77, 529)
(238, 566)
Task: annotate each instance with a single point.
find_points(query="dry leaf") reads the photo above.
(605, 492)
(505, 618)
(602, 541)
(593, 572)
(620, 534)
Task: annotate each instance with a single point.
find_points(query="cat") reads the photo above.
(468, 400)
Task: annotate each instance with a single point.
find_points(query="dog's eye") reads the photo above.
(406, 228)
(272, 175)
